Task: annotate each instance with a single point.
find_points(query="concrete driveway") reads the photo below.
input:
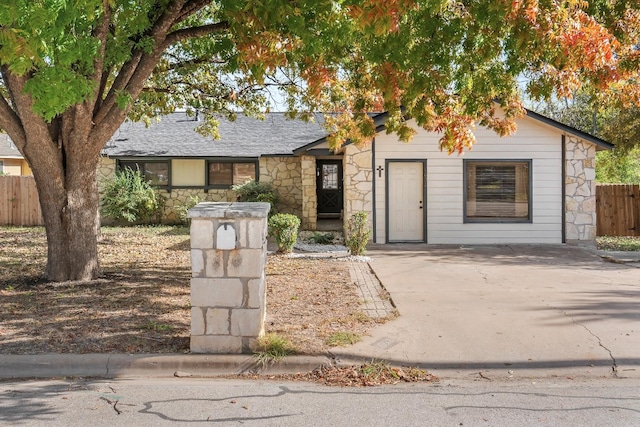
(505, 311)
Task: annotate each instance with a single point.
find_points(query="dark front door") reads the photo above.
(329, 187)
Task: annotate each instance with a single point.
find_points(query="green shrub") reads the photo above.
(358, 233)
(321, 238)
(129, 197)
(182, 210)
(284, 228)
(272, 348)
(253, 191)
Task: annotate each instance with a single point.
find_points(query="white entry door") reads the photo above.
(406, 204)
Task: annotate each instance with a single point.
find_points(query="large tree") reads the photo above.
(73, 70)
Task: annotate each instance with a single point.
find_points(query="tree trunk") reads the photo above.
(70, 210)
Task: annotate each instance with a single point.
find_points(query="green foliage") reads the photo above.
(618, 243)
(618, 166)
(272, 348)
(321, 238)
(254, 191)
(182, 209)
(284, 228)
(129, 197)
(358, 233)
(435, 60)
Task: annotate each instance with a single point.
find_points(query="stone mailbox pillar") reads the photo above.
(228, 294)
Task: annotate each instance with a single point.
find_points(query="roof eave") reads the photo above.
(598, 142)
(378, 120)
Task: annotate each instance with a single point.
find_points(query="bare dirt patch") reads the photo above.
(141, 304)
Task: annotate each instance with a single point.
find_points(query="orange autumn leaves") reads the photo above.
(559, 43)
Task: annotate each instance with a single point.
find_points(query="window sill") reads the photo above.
(497, 221)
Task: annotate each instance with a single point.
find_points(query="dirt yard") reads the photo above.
(141, 303)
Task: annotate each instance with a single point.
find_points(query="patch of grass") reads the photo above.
(618, 243)
(272, 348)
(342, 339)
(376, 370)
(360, 317)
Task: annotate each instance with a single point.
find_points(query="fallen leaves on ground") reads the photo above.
(368, 374)
(308, 299)
(141, 303)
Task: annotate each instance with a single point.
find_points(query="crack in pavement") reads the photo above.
(614, 367)
(106, 374)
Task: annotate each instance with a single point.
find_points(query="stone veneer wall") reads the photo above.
(175, 198)
(106, 169)
(228, 291)
(309, 218)
(358, 181)
(580, 190)
(285, 175)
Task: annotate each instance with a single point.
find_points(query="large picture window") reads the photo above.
(226, 174)
(155, 171)
(497, 191)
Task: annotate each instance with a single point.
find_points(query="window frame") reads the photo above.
(233, 161)
(497, 220)
(166, 186)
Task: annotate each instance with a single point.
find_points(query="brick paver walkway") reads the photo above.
(373, 303)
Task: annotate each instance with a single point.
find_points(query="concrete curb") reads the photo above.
(147, 365)
(619, 257)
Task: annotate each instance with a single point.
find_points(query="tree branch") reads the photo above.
(34, 141)
(101, 33)
(140, 67)
(191, 7)
(130, 75)
(186, 33)
(22, 104)
(182, 64)
(10, 123)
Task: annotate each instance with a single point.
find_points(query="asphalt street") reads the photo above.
(180, 401)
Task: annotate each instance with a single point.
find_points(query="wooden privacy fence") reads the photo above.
(19, 204)
(618, 209)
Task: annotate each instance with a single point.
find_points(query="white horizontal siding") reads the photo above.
(533, 141)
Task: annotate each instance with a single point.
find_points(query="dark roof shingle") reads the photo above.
(7, 148)
(174, 136)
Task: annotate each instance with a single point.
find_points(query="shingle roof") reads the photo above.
(7, 149)
(174, 136)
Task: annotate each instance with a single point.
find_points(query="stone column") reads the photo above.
(309, 217)
(358, 181)
(228, 294)
(580, 191)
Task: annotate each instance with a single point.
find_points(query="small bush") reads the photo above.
(128, 196)
(272, 348)
(284, 228)
(253, 191)
(321, 238)
(182, 210)
(358, 233)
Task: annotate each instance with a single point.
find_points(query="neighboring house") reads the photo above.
(537, 186)
(11, 161)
